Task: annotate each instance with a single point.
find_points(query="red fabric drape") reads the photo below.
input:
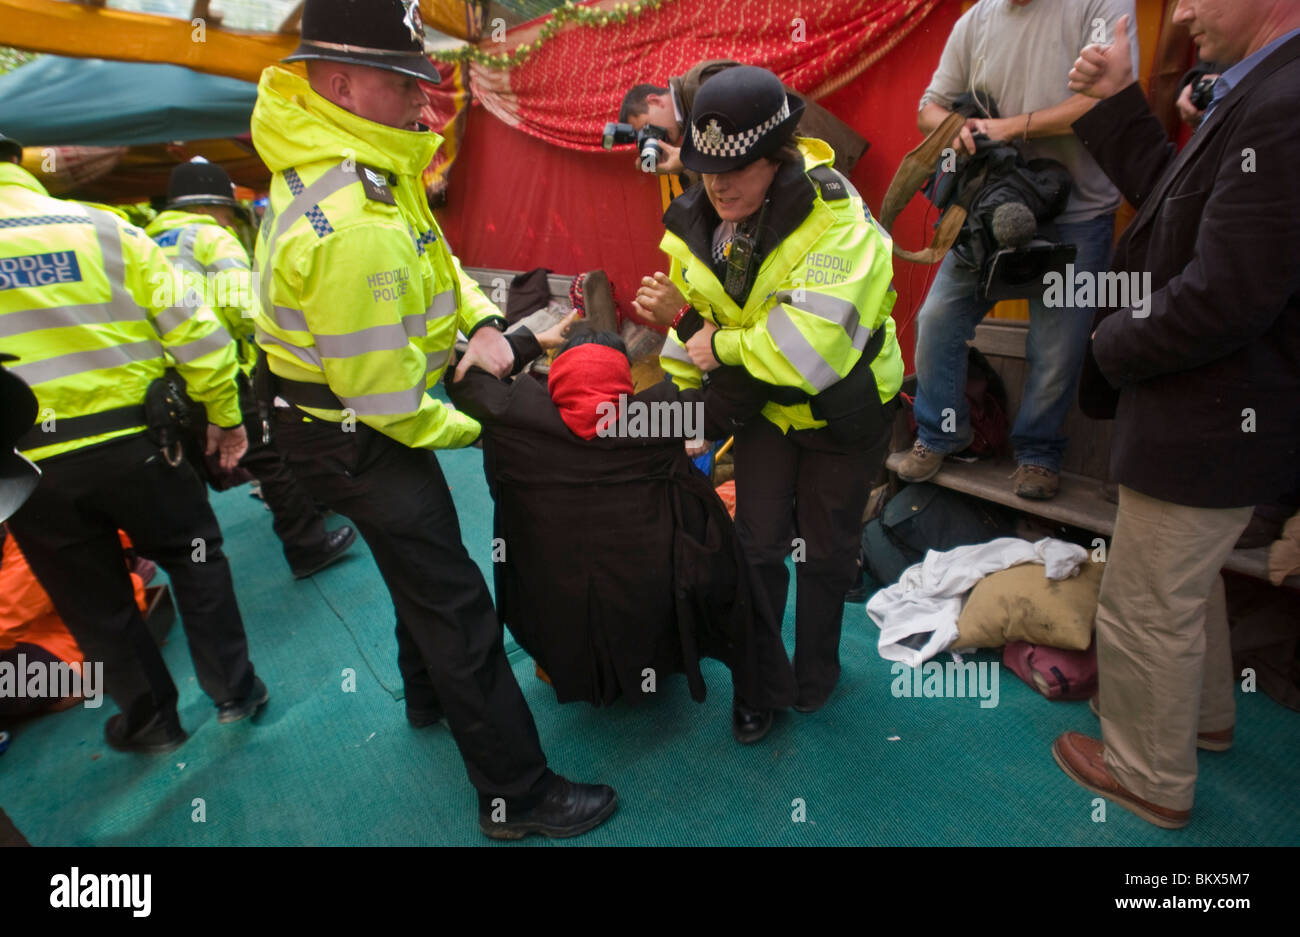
(574, 81)
(517, 202)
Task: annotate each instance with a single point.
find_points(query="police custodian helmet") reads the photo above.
(739, 115)
(387, 34)
(10, 148)
(200, 183)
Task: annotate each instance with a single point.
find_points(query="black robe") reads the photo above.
(619, 556)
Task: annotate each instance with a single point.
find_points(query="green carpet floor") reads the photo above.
(324, 766)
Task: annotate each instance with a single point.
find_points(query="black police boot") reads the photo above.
(423, 716)
(749, 725)
(161, 734)
(237, 709)
(337, 542)
(566, 809)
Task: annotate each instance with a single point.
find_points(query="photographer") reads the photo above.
(788, 277)
(1014, 52)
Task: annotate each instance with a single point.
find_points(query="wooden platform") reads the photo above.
(1082, 501)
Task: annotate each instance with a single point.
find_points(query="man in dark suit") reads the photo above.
(1207, 367)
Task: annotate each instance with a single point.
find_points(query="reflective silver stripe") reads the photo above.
(110, 248)
(799, 351)
(305, 355)
(435, 360)
(333, 180)
(416, 325)
(675, 352)
(443, 304)
(185, 247)
(173, 316)
(79, 362)
(376, 338)
(291, 320)
(61, 317)
(831, 308)
(186, 353)
(393, 403)
(228, 263)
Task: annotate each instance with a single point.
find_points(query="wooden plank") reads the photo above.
(1005, 339)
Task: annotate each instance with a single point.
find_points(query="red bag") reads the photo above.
(1053, 671)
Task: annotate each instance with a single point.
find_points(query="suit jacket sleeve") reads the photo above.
(1243, 267)
(1127, 141)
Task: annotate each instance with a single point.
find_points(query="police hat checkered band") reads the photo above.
(713, 142)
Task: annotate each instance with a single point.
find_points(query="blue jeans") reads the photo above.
(1054, 351)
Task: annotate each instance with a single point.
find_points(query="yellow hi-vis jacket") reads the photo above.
(817, 300)
(198, 245)
(87, 304)
(358, 288)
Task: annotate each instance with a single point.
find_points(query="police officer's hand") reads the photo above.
(489, 350)
(1101, 71)
(554, 336)
(232, 443)
(700, 348)
(658, 299)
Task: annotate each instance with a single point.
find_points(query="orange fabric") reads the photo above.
(27, 615)
(727, 492)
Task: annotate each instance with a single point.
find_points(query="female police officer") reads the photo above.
(778, 267)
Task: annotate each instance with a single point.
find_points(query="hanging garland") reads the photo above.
(563, 16)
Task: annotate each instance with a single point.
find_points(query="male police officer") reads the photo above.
(78, 307)
(361, 303)
(194, 233)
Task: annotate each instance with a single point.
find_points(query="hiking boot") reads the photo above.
(1036, 482)
(921, 464)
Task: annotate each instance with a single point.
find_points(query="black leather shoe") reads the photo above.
(749, 725)
(568, 809)
(422, 718)
(237, 709)
(160, 735)
(337, 542)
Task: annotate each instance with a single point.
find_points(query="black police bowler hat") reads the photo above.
(18, 476)
(387, 34)
(739, 115)
(200, 184)
(10, 148)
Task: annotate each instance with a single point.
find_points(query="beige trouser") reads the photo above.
(1163, 660)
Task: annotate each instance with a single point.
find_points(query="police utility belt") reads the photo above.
(167, 414)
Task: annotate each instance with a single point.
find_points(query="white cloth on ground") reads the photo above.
(917, 616)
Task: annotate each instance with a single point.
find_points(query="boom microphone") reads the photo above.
(1014, 224)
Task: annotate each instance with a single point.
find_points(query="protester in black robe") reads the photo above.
(620, 563)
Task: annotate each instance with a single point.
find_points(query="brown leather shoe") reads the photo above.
(1036, 482)
(1081, 758)
(1219, 741)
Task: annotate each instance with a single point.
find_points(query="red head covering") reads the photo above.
(582, 379)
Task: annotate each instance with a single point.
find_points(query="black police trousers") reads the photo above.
(294, 517)
(450, 646)
(68, 532)
(802, 495)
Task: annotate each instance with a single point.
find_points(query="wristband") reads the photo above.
(681, 314)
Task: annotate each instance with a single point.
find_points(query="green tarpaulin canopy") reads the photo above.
(56, 101)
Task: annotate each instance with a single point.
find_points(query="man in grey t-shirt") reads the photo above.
(1014, 53)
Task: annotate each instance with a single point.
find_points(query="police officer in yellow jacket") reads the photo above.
(195, 232)
(80, 308)
(777, 261)
(361, 301)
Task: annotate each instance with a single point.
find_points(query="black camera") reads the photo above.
(646, 140)
(1203, 92)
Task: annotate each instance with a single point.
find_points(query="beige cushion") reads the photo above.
(1022, 604)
